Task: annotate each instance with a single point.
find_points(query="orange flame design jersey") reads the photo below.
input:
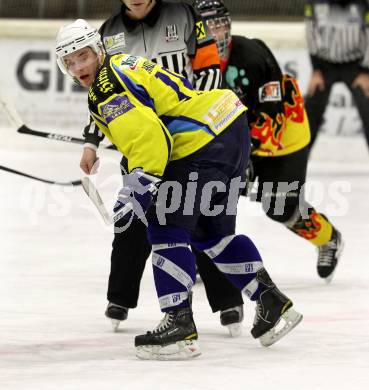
(284, 132)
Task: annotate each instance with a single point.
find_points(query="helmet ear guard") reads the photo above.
(73, 37)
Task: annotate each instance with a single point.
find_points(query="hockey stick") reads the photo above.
(92, 192)
(22, 128)
(60, 183)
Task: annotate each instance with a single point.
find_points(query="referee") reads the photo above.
(337, 33)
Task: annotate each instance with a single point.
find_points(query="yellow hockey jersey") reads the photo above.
(153, 115)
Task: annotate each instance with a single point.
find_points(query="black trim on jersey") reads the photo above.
(205, 43)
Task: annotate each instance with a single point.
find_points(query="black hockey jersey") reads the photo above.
(276, 115)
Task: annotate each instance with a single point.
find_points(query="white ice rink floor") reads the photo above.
(54, 268)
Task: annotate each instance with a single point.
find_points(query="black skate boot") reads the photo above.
(328, 256)
(271, 307)
(232, 318)
(173, 339)
(117, 314)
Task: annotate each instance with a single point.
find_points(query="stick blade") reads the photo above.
(11, 113)
(93, 194)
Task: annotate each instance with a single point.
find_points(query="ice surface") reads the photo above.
(54, 268)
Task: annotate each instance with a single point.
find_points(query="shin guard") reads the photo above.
(173, 266)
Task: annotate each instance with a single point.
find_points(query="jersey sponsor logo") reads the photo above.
(130, 62)
(171, 33)
(116, 107)
(115, 43)
(224, 110)
(200, 31)
(103, 82)
(148, 66)
(270, 92)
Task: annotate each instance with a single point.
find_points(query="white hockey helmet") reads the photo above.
(73, 37)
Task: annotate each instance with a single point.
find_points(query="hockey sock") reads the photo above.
(313, 226)
(173, 266)
(237, 257)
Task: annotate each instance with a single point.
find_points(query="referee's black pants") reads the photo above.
(316, 104)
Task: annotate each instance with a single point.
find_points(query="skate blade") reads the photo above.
(181, 350)
(291, 318)
(115, 325)
(235, 330)
(329, 278)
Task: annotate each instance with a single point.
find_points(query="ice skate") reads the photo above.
(328, 256)
(272, 307)
(232, 318)
(173, 339)
(116, 313)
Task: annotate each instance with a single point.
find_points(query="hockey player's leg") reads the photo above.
(174, 273)
(317, 229)
(222, 295)
(281, 192)
(128, 258)
(237, 257)
(315, 106)
(362, 102)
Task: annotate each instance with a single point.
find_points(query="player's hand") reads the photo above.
(362, 81)
(89, 161)
(316, 82)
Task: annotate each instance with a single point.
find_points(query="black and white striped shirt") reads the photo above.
(338, 31)
(173, 36)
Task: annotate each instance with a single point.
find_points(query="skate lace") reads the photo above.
(327, 253)
(164, 323)
(258, 313)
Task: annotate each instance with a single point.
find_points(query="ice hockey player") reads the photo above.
(175, 137)
(280, 134)
(172, 35)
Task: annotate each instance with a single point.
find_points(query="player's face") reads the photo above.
(83, 64)
(220, 30)
(138, 9)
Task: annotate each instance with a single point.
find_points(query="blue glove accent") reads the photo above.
(139, 190)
